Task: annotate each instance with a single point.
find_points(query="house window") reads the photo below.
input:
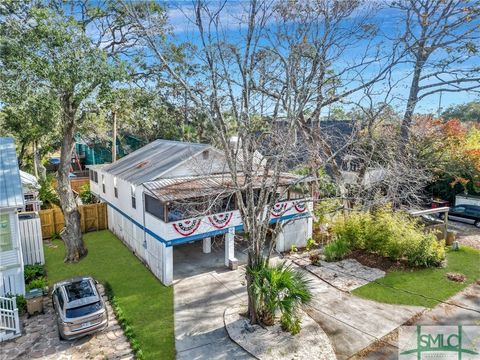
(115, 189)
(5, 233)
(154, 207)
(103, 183)
(134, 201)
(93, 176)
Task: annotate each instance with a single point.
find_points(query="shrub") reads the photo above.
(86, 195)
(32, 272)
(47, 193)
(38, 283)
(336, 250)
(21, 304)
(124, 323)
(392, 234)
(291, 324)
(279, 289)
(310, 243)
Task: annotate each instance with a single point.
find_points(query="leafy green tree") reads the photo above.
(74, 49)
(31, 117)
(464, 112)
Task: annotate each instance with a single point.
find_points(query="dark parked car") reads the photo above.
(466, 213)
(79, 308)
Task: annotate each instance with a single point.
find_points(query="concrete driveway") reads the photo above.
(203, 289)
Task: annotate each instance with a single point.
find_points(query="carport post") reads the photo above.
(229, 246)
(167, 264)
(207, 245)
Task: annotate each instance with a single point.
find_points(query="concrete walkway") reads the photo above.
(353, 323)
(200, 302)
(203, 289)
(463, 309)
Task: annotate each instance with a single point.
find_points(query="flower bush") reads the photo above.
(392, 234)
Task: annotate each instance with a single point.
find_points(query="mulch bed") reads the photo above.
(376, 261)
(457, 277)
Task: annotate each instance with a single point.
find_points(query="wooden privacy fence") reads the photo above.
(92, 217)
(31, 238)
(75, 183)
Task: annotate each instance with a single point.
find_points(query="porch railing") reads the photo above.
(9, 320)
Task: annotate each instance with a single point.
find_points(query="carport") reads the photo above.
(206, 255)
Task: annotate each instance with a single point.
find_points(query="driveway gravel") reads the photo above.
(40, 340)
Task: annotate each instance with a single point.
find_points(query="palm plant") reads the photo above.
(279, 289)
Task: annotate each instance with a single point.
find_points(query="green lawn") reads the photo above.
(430, 283)
(147, 304)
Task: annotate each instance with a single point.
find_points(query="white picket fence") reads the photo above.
(9, 320)
(31, 238)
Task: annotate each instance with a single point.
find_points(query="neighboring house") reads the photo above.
(93, 151)
(161, 196)
(11, 202)
(30, 187)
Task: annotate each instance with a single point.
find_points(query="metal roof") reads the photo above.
(11, 194)
(29, 180)
(152, 160)
(220, 184)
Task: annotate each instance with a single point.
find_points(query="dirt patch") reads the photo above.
(376, 261)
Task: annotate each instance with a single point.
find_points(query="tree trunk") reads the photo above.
(40, 171)
(252, 309)
(21, 154)
(114, 136)
(71, 234)
(411, 103)
(35, 159)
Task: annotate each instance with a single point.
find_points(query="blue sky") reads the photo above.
(179, 13)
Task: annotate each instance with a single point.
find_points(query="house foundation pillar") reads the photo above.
(230, 260)
(167, 264)
(207, 245)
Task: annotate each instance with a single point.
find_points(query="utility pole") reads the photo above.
(114, 137)
(439, 110)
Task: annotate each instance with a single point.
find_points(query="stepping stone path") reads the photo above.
(40, 340)
(345, 275)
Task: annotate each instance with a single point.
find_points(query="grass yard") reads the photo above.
(146, 303)
(430, 283)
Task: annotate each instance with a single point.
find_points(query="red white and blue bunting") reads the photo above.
(220, 220)
(300, 206)
(279, 209)
(187, 227)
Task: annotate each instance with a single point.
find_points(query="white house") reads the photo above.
(30, 187)
(156, 200)
(11, 202)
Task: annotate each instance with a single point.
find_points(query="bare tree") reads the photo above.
(440, 39)
(225, 89)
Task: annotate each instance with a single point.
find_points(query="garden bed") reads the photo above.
(377, 261)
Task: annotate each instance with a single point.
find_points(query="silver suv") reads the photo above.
(79, 308)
